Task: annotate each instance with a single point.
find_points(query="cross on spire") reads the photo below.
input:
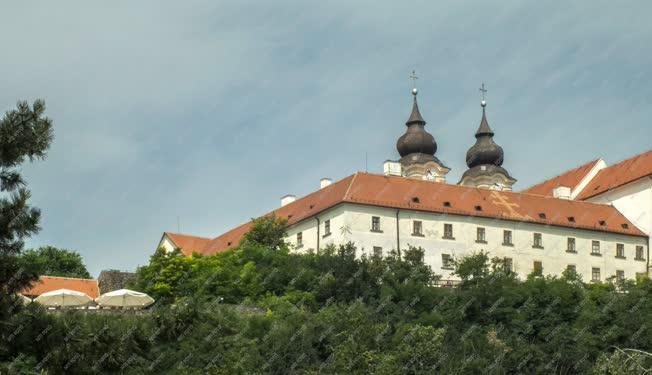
(483, 91)
(414, 78)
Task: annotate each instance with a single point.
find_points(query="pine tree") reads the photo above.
(25, 135)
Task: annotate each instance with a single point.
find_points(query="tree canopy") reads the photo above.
(51, 261)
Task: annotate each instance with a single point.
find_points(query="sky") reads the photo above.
(199, 115)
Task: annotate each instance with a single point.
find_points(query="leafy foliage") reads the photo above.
(262, 309)
(49, 260)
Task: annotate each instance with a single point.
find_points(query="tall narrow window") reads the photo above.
(595, 274)
(446, 261)
(620, 275)
(639, 253)
(327, 228)
(537, 241)
(571, 268)
(570, 245)
(480, 235)
(595, 247)
(448, 231)
(417, 228)
(620, 250)
(507, 238)
(537, 268)
(375, 224)
(378, 251)
(509, 265)
(299, 239)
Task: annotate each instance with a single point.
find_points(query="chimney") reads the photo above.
(288, 199)
(561, 192)
(325, 182)
(391, 168)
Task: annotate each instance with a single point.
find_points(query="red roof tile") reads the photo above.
(619, 174)
(188, 244)
(399, 192)
(569, 178)
(49, 283)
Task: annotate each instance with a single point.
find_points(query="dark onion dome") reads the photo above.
(485, 151)
(416, 139)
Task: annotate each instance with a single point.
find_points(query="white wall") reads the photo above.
(632, 200)
(353, 222)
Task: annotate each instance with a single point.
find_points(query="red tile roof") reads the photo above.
(569, 178)
(618, 175)
(188, 244)
(399, 192)
(49, 283)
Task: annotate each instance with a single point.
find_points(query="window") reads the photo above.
(507, 238)
(620, 250)
(299, 239)
(537, 268)
(375, 224)
(446, 261)
(595, 247)
(571, 268)
(448, 231)
(595, 274)
(639, 253)
(327, 228)
(570, 245)
(537, 241)
(509, 265)
(378, 251)
(480, 235)
(620, 275)
(417, 228)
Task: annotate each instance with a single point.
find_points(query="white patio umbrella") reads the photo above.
(124, 298)
(63, 298)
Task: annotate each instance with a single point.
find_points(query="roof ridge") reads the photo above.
(561, 174)
(187, 235)
(69, 278)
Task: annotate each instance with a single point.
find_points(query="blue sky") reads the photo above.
(210, 111)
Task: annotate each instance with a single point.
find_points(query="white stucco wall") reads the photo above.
(350, 222)
(167, 244)
(633, 200)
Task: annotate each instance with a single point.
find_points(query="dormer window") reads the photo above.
(478, 208)
(447, 204)
(602, 223)
(415, 200)
(571, 219)
(542, 216)
(624, 225)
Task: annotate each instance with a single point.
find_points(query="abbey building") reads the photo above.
(595, 219)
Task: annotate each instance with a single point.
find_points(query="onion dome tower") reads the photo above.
(485, 159)
(417, 148)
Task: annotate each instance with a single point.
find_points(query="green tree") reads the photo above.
(51, 261)
(25, 134)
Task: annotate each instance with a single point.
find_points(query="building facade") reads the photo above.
(595, 220)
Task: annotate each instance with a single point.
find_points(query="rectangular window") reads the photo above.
(375, 224)
(570, 245)
(595, 247)
(448, 231)
(537, 268)
(595, 274)
(639, 253)
(509, 265)
(571, 268)
(327, 228)
(378, 251)
(620, 250)
(446, 261)
(537, 241)
(480, 235)
(620, 275)
(507, 238)
(300, 239)
(417, 228)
